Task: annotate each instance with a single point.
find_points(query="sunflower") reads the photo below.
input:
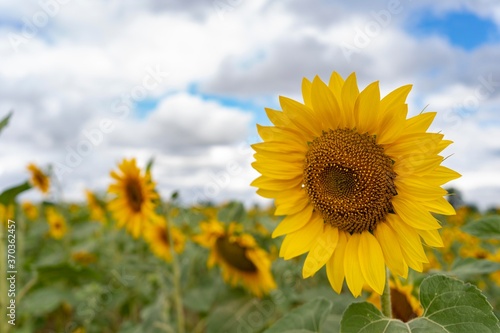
(57, 223)
(356, 180)
(39, 179)
(30, 210)
(133, 206)
(158, 238)
(83, 257)
(242, 261)
(404, 305)
(7, 212)
(97, 212)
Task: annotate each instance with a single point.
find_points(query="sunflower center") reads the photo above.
(234, 255)
(349, 180)
(401, 308)
(163, 233)
(134, 194)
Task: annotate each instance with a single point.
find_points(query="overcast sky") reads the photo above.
(91, 82)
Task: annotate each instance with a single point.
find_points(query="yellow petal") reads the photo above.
(279, 118)
(391, 126)
(394, 99)
(420, 123)
(276, 184)
(301, 116)
(293, 222)
(440, 206)
(431, 237)
(410, 243)
(301, 241)
(366, 109)
(371, 261)
(325, 105)
(321, 251)
(306, 92)
(442, 175)
(290, 207)
(389, 243)
(352, 267)
(350, 93)
(335, 266)
(414, 214)
(275, 134)
(335, 84)
(418, 190)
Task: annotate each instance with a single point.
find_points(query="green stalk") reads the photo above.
(177, 281)
(385, 298)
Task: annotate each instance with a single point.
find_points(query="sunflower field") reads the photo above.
(362, 237)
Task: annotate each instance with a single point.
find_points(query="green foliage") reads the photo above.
(5, 121)
(486, 228)
(9, 195)
(450, 305)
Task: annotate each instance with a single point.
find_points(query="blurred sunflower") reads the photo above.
(83, 257)
(7, 212)
(133, 206)
(404, 305)
(39, 179)
(97, 212)
(157, 236)
(57, 223)
(30, 210)
(356, 179)
(242, 261)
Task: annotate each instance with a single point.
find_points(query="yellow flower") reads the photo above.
(133, 206)
(242, 261)
(157, 236)
(30, 210)
(404, 305)
(356, 179)
(57, 223)
(39, 179)
(97, 212)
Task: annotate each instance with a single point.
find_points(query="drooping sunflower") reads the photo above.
(405, 306)
(133, 205)
(157, 236)
(356, 180)
(39, 179)
(242, 261)
(57, 223)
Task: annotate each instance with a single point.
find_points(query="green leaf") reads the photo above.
(42, 301)
(5, 121)
(9, 195)
(365, 318)
(306, 318)
(453, 306)
(232, 212)
(450, 306)
(465, 267)
(486, 228)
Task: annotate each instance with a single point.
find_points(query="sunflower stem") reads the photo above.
(177, 280)
(385, 298)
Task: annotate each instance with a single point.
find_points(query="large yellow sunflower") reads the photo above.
(242, 261)
(133, 206)
(39, 179)
(158, 238)
(57, 223)
(356, 179)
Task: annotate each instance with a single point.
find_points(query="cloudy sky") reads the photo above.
(185, 82)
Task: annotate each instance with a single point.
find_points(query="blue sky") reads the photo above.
(204, 77)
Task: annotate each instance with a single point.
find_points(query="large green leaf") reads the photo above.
(305, 318)
(365, 318)
(10, 194)
(450, 306)
(486, 228)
